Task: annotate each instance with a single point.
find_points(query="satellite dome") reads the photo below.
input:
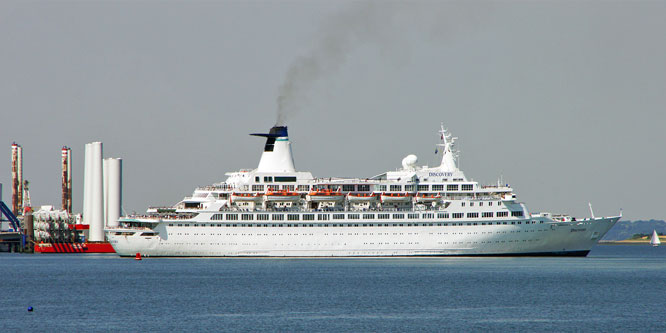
(409, 162)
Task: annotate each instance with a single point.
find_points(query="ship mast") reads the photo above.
(449, 153)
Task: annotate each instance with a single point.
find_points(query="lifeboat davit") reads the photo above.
(282, 196)
(361, 197)
(246, 197)
(325, 195)
(428, 198)
(396, 197)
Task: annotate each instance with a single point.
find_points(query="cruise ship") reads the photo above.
(276, 211)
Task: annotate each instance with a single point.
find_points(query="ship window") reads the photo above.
(442, 215)
(472, 215)
(438, 187)
(423, 188)
(348, 188)
(457, 215)
(308, 217)
(409, 188)
(364, 188)
(481, 203)
(268, 179)
(288, 187)
(322, 217)
(490, 203)
(216, 217)
(284, 179)
(231, 217)
(412, 216)
(369, 216)
(395, 188)
(258, 188)
(398, 216)
(278, 217)
(247, 217)
(192, 205)
(462, 204)
(262, 217)
(471, 204)
(502, 214)
(303, 188)
(383, 216)
(293, 217)
(338, 216)
(256, 179)
(453, 187)
(353, 216)
(381, 188)
(487, 214)
(467, 187)
(517, 213)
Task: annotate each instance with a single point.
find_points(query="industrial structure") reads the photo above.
(93, 213)
(59, 230)
(66, 163)
(17, 179)
(113, 171)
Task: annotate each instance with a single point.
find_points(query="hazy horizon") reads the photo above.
(563, 100)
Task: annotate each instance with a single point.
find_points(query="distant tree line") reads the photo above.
(635, 229)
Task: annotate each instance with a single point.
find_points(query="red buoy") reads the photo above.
(138, 256)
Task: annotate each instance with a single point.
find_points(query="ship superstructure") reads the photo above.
(274, 210)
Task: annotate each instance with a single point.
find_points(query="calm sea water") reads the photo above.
(616, 288)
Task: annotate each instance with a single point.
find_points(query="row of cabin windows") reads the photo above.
(422, 188)
(363, 188)
(353, 224)
(352, 216)
(305, 188)
(277, 179)
(471, 203)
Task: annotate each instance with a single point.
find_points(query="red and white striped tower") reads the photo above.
(66, 162)
(17, 179)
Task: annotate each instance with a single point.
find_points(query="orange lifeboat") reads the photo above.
(282, 196)
(396, 197)
(325, 195)
(427, 198)
(361, 197)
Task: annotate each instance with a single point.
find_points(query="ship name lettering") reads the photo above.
(440, 174)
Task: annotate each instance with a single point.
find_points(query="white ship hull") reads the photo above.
(536, 239)
(464, 219)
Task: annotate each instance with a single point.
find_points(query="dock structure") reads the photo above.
(13, 238)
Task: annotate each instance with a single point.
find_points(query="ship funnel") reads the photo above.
(277, 151)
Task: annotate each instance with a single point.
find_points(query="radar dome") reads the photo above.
(409, 162)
